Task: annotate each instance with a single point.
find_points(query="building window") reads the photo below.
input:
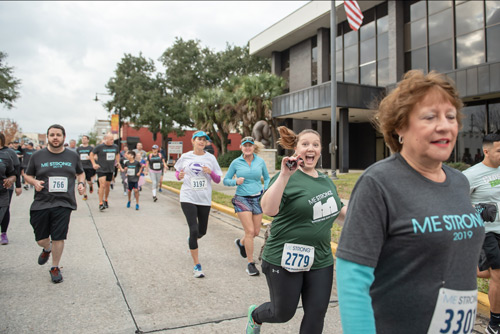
(285, 69)
(314, 61)
(470, 138)
(470, 49)
(494, 117)
(492, 12)
(441, 56)
(492, 40)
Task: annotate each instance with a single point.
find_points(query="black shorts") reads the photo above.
(490, 254)
(89, 172)
(53, 222)
(133, 185)
(109, 176)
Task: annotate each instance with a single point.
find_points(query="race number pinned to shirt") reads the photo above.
(58, 184)
(131, 171)
(198, 183)
(84, 156)
(455, 312)
(297, 257)
(156, 165)
(110, 156)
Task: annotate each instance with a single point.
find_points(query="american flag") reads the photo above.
(354, 15)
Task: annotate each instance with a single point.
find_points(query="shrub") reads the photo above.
(225, 159)
(461, 166)
(278, 162)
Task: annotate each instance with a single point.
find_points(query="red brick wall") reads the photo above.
(146, 138)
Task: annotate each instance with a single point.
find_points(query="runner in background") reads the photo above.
(155, 166)
(6, 154)
(107, 155)
(197, 169)
(132, 169)
(27, 153)
(249, 170)
(84, 152)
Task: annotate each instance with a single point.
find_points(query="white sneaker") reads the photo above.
(197, 272)
(124, 193)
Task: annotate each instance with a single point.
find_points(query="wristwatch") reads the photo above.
(81, 183)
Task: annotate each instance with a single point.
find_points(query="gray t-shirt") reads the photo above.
(106, 157)
(84, 153)
(419, 235)
(485, 188)
(132, 169)
(17, 164)
(58, 171)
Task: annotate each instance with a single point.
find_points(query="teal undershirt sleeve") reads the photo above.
(353, 288)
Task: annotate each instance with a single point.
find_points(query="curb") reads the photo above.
(483, 303)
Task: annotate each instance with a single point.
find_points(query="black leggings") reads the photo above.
(286, 288)
(6, 217)
(197, 219)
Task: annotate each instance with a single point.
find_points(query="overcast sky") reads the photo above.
(65, 52)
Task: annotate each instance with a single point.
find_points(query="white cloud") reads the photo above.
(65, 52)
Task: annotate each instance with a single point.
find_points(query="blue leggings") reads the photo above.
(286, 288)
(197, 219)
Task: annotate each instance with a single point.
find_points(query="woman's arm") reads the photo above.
(228, 178)
(355, 304)
(271, 199)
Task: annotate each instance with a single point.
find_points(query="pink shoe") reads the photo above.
(4, 240)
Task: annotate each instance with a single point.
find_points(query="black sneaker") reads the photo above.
(55, 274)
(43, 257)
(106, 204)
(101, 207)
(252, 269)
(155, 198)
(492, 329)
(241, 248)
(111, 186)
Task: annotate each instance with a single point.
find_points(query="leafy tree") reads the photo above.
(252, 100)
(140, 97)
(206, 110)
(9, 85)
(10, 129)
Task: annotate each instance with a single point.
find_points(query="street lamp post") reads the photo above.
(119, 118)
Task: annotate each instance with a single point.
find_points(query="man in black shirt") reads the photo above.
(52, 172)
(107, 156)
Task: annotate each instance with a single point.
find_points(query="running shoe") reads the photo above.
(26, 187)
(101, 207)
(252, 326)
(140, 188)
(106, 204)
(197, 272)
(492, 329)
(55, 274)
(160, 190)
(44, 257)
(124, 193)
(4, 240)
(137, 206)
(91, 188)
(252, 269)
(155, 198)
(111, 186)
(84, 197)
(128, 204)
(241, 248)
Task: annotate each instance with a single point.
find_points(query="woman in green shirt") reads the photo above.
(297, 258)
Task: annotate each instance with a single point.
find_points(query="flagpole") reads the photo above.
(333, 81)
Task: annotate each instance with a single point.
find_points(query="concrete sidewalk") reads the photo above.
(128, 271)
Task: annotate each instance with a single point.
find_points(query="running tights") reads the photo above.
(286, 288)
(6, 217)
(155, 179)
(197, 219)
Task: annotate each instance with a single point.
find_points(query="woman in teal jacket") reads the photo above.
(249, 169)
